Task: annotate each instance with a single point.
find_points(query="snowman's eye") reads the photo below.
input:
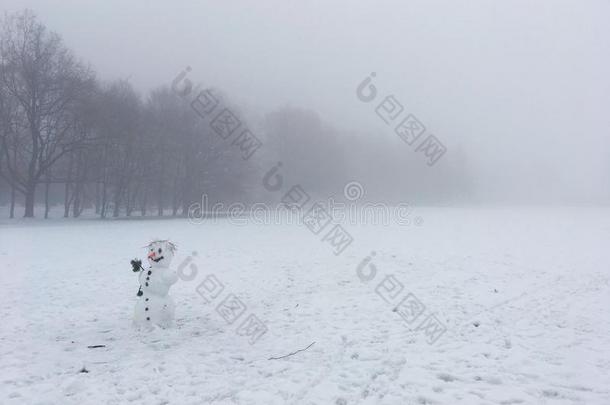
(159, 250)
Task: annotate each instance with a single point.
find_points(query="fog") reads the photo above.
(305, 202)
(517, 91)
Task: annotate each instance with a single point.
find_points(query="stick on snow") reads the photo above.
(293, 353)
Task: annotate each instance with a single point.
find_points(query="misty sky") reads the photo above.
(521, 87)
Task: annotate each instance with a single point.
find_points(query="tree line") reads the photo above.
(69, 138)
(101, 143)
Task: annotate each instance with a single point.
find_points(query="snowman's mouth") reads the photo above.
(158, 259)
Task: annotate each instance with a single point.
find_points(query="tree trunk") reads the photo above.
(175, 202)
(13, 188)
(129, 205)
(160, 201)
(160, 207)
(116, 211)
(13, 197)
(78, 186)
(97, 197)
(47, 186)
(76, 206)
(144, 202)
(67, 199)
(104, 200)
(117, 202)
(30, 196)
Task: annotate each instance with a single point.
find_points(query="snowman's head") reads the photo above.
(160, 253)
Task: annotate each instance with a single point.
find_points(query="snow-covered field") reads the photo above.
(524, 295)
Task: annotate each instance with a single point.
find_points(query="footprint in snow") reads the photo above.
(446, 377)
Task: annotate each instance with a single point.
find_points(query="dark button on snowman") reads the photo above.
(154, 306)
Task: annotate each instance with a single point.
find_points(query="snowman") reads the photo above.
(154, 306)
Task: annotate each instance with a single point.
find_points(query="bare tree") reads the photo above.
(119, 139)
(10, 138)
(102, 144)
(46, 82)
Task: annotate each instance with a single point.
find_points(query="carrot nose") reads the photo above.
(151, 254)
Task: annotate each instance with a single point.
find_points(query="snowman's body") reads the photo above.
(155, 306)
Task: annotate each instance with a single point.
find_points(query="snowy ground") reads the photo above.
(535, 281)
